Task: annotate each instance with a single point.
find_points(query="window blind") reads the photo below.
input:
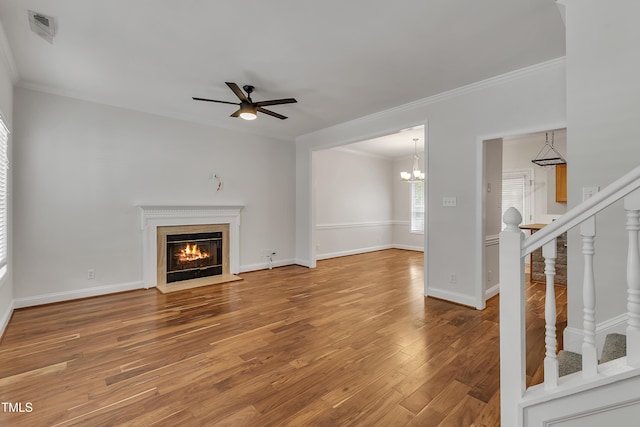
(4, 166)
(513, 195)
(417, 206)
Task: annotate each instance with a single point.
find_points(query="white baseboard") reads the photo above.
(110, 289)
(353, 252)
(302, 262)
(6, 316)
(409, 248)
(351, 225)
(492, 291)
(369, 249)
(452, 297)
(573, 337)
(75, 294)
(265, 265)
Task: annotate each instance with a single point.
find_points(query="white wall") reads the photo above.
(492, 178)
(354, 196)
(458, 122)
(517, 155)
(6, 109)
(80, 169)
(603, 111)
(361, 203)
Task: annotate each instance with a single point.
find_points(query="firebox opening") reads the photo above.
(194, 255)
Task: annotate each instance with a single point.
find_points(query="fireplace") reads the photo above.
(191, 256)
(189, 246)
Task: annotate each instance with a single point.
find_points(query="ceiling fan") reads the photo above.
(248, 109)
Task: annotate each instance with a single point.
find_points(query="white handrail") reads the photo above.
(514, 248)
(612, 193)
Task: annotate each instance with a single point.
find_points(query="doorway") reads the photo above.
(360, 203)
(510, 178)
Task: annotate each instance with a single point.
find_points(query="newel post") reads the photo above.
(512, 320)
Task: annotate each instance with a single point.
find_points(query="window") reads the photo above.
(417, 207)
(4, 166)
(516, 192)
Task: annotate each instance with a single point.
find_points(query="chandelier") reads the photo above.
(415, 175)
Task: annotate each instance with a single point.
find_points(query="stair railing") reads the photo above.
(513, 250)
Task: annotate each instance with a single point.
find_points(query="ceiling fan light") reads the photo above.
(248, 116)
(247, 111)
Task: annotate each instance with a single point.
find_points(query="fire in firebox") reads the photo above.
(192, 253)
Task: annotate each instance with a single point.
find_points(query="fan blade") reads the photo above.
(213, 100)
(276, 102)
(239, 93)
(271, 113)
(236, 114)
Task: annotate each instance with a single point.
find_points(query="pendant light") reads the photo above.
(548, 155)
(415, 175)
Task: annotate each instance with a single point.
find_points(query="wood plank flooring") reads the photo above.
(353, 342)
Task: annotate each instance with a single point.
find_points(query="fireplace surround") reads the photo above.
(159, 221)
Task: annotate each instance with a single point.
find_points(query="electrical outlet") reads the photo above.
(489, 276)
(452, 278)
(91, 274)
(449, 202)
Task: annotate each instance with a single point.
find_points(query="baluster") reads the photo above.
(512, 323)
(549, 252)
(589, 352)
(632, 206)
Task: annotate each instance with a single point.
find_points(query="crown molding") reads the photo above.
(444, 96)
(176, 116)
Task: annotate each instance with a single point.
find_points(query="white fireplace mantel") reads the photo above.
(154, 216)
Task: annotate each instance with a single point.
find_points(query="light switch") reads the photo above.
(449, 202)
(588, 192)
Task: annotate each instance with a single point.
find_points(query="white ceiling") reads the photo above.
(340, 59)
(399, 144)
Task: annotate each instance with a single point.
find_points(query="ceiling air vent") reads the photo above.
(42, 25)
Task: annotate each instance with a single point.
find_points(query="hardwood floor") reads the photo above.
(353, 342)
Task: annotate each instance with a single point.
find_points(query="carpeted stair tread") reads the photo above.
(615, 347)
(569, 362)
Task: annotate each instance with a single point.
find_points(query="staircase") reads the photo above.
(615, 347)
(579, 389)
